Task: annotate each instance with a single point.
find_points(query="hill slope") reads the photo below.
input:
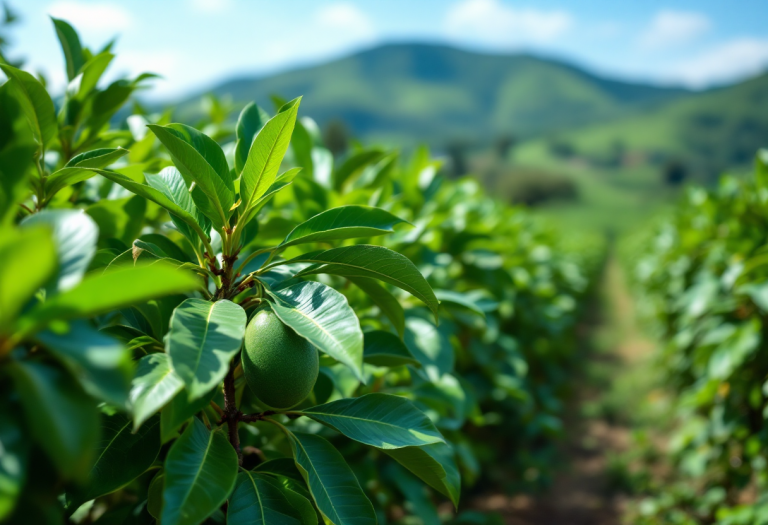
(710, 132)
(433, 93)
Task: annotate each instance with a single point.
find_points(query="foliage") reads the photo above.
(132, 258)
(704, 278)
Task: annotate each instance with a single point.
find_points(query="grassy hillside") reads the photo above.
(429, 93)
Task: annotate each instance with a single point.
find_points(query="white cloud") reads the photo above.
(346, 18)
(212, 6)
(492, 22)
(670, 28)
(95, 17)
(730, 61)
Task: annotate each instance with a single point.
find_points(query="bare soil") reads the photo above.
(582, 492)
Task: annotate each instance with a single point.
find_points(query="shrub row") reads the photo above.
(133, 253)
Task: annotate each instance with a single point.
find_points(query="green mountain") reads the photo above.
(431, 93)
(710, 131)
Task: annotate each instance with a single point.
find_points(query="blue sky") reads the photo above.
(198, 43)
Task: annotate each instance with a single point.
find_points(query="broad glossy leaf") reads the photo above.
(97, 158)
(200, 473)
(199, 161)
(30, 253)
(259, 499)
(171, 184)
(63, 419)
(376, 262)
(75, 235)
(382, 348)
(203, 339)
(126, 286)
(299, 497)
(345, 222)
(35, 102)
(266, 154)
(285, 467)
(14, 451)
(154, 385)
(100, 363)
(283, 181)
(323, 316)
(179, 411)
(121, 455)
(379, 420)
(252, 119)
(381, 297)
(331, 482)
(166, 200)
(430, 346)
(435, 465)
(70, 45)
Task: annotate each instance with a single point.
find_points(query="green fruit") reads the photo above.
(280, 366)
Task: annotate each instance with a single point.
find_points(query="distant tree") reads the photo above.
(457, 153)
(336, 137)
(674, 172)
(503, 144)
(561, 148)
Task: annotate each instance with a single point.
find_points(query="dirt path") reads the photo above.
(587, 489)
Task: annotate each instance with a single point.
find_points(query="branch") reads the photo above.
(231, 413)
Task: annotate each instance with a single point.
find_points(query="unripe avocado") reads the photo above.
(280, 366)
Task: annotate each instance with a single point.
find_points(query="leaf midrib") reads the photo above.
(199, 470)
(384, 423)
(266, 163)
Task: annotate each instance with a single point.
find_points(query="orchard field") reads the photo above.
(222, 320)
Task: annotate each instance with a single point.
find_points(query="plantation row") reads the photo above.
(704, 278)
(165, 289)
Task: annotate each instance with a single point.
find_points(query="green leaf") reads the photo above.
(430, 346)
(101, 364)
(75, 235)
(299, 498)
(121, 455)
(284, 180)
(379, 420)
(97, 158)
(171, 201)
(179, 411)
(200, 160)
(252, 119)
(353, 166)
(203, 339)
(260, 500)
(155, 496)
(381, 297)
(284, 467)
(14, 451)
(30, 253)
(154, 385)
(171, 184)
(449, 296)
(345, 222)
(92, 72)
(126, 286)
(322, 316)
(382, 348)
(120, 219)
(200, 473)
(63, 420)
(266, 154)
(70, 45)
(331, 482)
(15, 164)
(376, 262)
(435, 465)
(35, 102)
